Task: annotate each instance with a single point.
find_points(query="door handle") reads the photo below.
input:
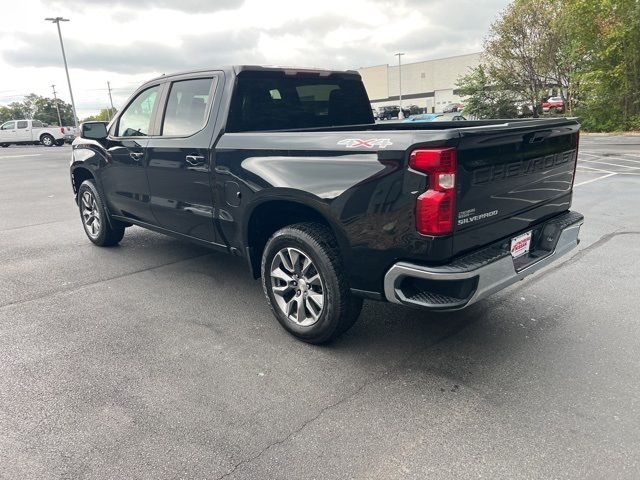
(136, 155)
(195, 160)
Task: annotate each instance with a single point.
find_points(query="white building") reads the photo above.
(430, 84)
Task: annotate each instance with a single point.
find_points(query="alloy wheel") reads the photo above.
(297, 286)
(90, 214)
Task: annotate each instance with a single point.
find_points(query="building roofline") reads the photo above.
(423, 61)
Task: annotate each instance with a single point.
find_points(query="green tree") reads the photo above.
(39, 108)
(13, 111)
(606, 39)
(563, 57)
(45, 111)
(105, 115)
(515, 50)
(587, 51)
(485, 97)
(5, 114)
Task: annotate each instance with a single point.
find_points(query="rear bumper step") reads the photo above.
(478, 274)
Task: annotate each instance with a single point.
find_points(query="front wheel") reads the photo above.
(47, 140)
(304, 281)
(96, 224)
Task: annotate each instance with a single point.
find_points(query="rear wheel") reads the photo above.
(303, 279)
(47, 140)
(98, 227)
(4, 145)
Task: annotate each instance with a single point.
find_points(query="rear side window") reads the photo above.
(187, 106)
(22, 124)
(136, 119)
(277, 101)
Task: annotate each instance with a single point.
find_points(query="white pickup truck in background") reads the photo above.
(30, 132)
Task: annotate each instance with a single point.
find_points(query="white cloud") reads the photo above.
(127, 41)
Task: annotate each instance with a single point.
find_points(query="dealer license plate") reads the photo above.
(520, 245)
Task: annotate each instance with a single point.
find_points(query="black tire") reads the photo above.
(59, 143)
(4, 145)
(340, 308)
(106, 233)
(47, 140)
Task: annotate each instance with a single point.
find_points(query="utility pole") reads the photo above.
(399, 55)
(57, 21)
(55, 99)
(110, 100)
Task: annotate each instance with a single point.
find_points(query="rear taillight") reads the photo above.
(62, 130)
(435, 208)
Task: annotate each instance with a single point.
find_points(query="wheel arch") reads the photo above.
(270, 215)
(78, 175)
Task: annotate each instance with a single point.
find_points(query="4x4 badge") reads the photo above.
(365, 142)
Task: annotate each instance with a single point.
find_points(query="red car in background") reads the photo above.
(553, 104)
(453, 107)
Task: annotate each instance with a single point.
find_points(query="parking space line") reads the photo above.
(611, 164)
(19, 156)
(75, 288)
(19, 227)
(595, 169)
(610, 158)
(594, 179)
(600, 170)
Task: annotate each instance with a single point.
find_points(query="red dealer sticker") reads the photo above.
(520, 245)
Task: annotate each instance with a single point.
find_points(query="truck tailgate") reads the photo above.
(511, 177)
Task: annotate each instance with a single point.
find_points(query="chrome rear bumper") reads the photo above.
(479, 274)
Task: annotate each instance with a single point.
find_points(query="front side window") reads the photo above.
(22, 124)
(187, 106)
(8, 126)
(135, 121)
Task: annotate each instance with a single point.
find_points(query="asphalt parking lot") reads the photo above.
(161, 359)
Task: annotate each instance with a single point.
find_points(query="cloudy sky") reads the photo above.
(129, 41)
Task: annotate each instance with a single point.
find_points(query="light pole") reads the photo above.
(57, 21)
(399, 55)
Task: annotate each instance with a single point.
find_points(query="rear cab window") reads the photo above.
(280, 101)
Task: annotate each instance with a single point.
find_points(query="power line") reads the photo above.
(110, 100)
(55, 99)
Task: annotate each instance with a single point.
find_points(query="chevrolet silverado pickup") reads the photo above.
(287, 169)
(31, 132)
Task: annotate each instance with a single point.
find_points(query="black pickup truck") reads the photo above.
(287, 169)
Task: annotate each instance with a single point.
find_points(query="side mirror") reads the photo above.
(94, 130)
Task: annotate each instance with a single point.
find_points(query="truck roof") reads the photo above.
(236, 69)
